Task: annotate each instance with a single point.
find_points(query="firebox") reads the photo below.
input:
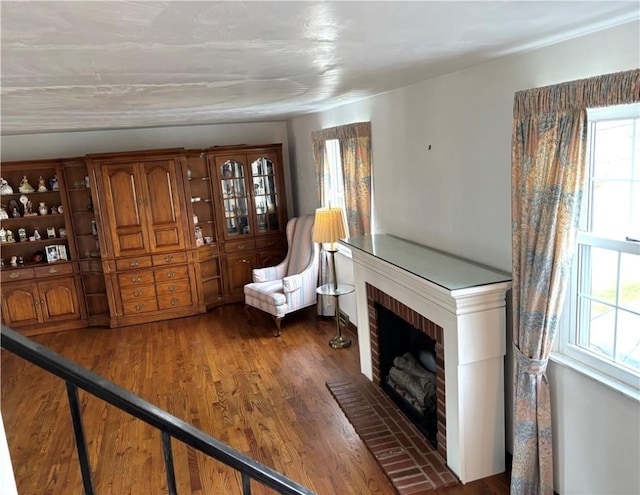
(408, 370)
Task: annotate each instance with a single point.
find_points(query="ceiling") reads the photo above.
(105, 65)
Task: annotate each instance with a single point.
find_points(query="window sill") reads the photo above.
(596, 375)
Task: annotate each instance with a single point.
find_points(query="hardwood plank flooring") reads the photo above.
(231, 378)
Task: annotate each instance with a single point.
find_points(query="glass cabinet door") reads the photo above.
(265, 194)
(235, 198)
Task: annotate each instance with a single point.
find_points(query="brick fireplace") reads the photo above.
(461, 304)
(433, 331)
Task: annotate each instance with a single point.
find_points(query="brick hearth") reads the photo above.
(410, 462)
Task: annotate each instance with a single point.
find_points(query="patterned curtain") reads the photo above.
(548, 166)
(355, 156)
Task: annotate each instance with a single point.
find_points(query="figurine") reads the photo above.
(3, 235)
(42, 209)
(3, 213)
(10, 237)
(15, 213)
(20, 261)
(5, 188)
(42, 185)
(24, 186)
(28, 210)
(53, 183)
(54, 210)
(14, 261)
(22, 234)
(36, 235)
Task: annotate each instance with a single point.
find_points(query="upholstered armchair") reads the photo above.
(291, 285)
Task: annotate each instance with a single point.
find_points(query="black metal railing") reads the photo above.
(76, 377)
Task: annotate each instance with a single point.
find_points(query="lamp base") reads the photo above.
(340, 341)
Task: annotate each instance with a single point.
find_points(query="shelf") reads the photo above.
(35, 193)
(31, 217)
(41, 242)
(8, 267)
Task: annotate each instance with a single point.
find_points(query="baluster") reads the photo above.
(81, 445)
(246, 484)
(168, 463)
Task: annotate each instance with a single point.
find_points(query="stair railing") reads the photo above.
(75, 376)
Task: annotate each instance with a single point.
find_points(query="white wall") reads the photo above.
(456, 197)
(70, 144)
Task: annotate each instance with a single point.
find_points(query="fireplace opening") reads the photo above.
(407, 366)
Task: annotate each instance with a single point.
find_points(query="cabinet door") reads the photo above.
(162, 202)
(20, 305)
(59, 300)
(234, 201)
(238, 271)
(267, 192)
(125, 209)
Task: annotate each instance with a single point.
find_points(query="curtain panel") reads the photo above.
(355, 157)
(548, 166)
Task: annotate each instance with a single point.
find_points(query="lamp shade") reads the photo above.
(328, 225)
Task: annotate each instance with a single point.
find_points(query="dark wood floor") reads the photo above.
(264, 396)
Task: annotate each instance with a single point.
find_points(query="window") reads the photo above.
(334, 186)
(603, 303)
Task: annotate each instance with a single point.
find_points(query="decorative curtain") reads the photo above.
(355, 157)
(548, 166)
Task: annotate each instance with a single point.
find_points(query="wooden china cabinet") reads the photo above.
(135, 237)
(250, 205)
(41, 286)
(147, 258)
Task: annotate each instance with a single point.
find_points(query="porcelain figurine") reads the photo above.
(3, 213)
(15, 213)
(3, 235)
(14, 261)
(42, 184)
(42, 209)
(24, 186)
(22, 234)
(28, 210)
(36, 235)
(10, 237)
(53, 183)
(5, 188)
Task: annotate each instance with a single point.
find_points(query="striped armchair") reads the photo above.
(291, 285)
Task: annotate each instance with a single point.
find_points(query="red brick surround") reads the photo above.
(433, 331)
(404, 454)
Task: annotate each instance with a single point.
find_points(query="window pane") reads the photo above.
(601, 325)
(601, 280)
(630, 282)
(628, 343)
(609, 214)
(613, 149)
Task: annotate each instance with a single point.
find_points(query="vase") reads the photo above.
(42, 209)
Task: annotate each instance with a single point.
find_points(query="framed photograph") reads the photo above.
(52, 254)
(62, 252)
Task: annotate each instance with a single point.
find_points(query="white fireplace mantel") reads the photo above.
(468, 301)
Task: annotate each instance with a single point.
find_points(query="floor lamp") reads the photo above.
(328, 228)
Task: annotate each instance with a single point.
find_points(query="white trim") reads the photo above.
(596, 375)
(618, 112)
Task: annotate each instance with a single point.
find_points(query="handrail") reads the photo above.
(171, 426)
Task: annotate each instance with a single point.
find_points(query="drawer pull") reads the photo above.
(240, 246)
(36, 303)
(53, 269)
(173, 288)
(174, 302)
(139, 306)
(171, 274)
(42, 302)
(135, 279)
(133, 263)
(13, 275)
(168, 258)
(137, 293)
